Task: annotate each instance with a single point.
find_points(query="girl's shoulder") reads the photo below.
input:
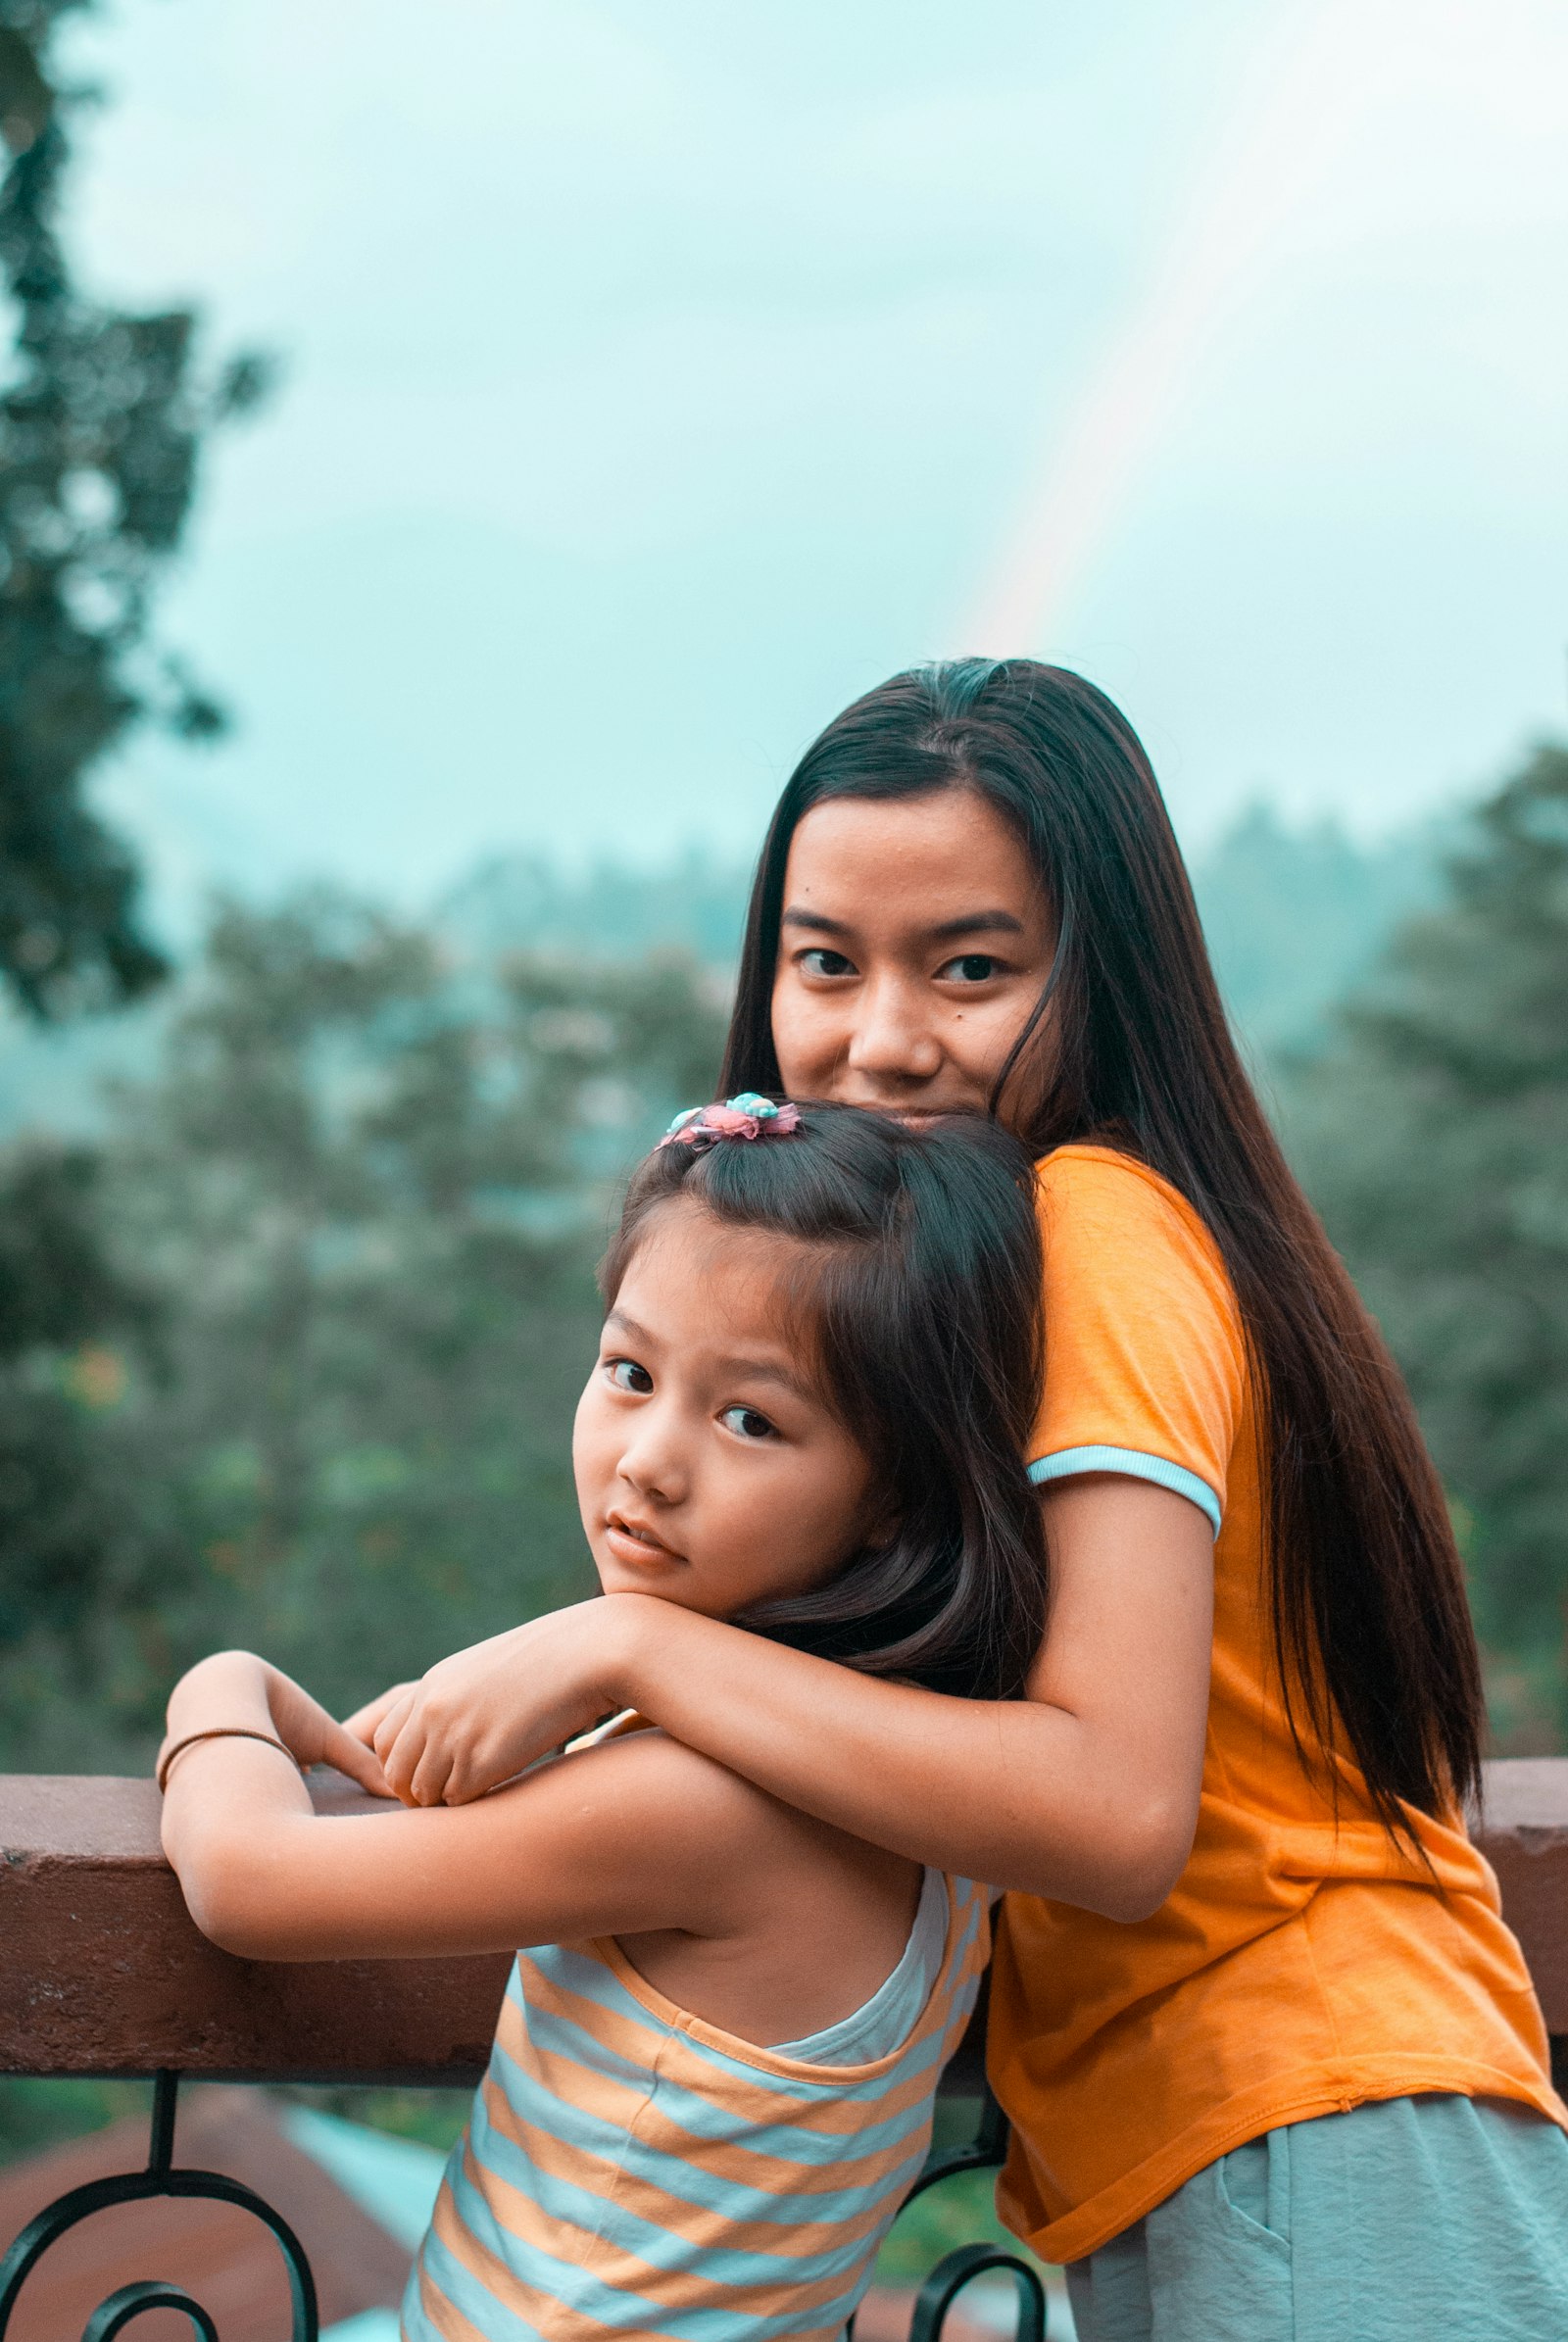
(1095, 1198)
(1090, 1168)
(1146, 1354)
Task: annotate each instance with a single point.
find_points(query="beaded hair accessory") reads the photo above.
(748, 1116)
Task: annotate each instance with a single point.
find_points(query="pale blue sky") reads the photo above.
(661, 373)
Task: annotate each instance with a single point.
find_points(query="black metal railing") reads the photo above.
(163, 2176)
(987, 2150)
(104, 1975)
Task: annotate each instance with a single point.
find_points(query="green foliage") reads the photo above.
(36, 2114)
(78, 1562)
(362, 1197)
(431, 2117)
(102, 420)
(101, 423)
(1435, 1140)
(960, 2210)
(57, 1288)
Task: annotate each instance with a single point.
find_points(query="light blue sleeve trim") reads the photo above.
(1067, 1462)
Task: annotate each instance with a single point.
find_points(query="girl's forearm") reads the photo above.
(1088, 1791)
(238, 1823)
(1015, 1792)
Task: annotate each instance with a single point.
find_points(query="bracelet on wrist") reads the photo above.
(223, 1732)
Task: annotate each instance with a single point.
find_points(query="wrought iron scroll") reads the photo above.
(161, 2177)
(952, 2272)
(986, 2151)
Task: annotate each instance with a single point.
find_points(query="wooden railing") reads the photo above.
(102, 1974)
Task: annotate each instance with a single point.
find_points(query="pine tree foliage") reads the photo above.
(1435, 1140)
(102, 416)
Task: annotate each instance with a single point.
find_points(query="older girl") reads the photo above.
(1272, 2058)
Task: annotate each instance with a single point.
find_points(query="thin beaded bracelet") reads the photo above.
(223, 1732)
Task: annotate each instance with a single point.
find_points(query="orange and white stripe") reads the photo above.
(629, 2170)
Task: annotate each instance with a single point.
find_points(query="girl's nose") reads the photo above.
(892, 1038)
(651, 1462)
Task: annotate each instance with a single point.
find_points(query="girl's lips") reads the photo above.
(916, 1117)
(636, 1545)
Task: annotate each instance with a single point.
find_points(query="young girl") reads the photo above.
(1272, 2060)
(713, 2074)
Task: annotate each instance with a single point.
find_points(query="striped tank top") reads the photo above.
(630, 2170)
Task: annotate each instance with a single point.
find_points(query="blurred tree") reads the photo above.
(101, 425)
(370, 1190)
(1435, 1140)
(102, 420)
(87, 1553)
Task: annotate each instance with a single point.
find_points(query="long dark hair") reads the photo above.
(918, 1299)
(1369, 1613)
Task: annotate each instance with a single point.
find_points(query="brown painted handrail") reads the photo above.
(103, 1972)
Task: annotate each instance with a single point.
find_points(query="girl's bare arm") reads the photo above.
(633, 1836)
(1087, 1791)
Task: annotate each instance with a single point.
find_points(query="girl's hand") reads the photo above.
(1086, 1791)
(236, 1691)
(484, 1714)
(366, 1722)
(314, 1738)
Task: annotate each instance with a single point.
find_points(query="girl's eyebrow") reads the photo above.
(764, 1370)
(973, 922)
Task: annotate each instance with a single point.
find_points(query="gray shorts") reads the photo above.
(1407, 2220)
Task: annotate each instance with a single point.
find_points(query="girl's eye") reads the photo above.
(970, 967)
(627, 1375)
(747, 1424)
(820, 961)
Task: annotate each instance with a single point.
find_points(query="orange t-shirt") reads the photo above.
(1299, 1966)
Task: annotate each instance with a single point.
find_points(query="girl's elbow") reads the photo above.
(1136, 1868)
(223, 1897)
(221, 1914)
(1158, 1848)
(238, 1934)
(1133, 1897)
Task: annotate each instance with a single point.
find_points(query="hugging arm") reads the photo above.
(617, 1839)
(1086, 1791)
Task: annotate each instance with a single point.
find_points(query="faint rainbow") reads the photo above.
(1297, 93)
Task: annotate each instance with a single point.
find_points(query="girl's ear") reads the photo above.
(882, 1521)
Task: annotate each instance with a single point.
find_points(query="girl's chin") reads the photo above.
(674, 1586)
(659, 1574)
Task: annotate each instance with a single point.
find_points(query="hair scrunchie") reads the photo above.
(748, 1116)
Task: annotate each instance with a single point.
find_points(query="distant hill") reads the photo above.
(1295, 919)
(520, 902)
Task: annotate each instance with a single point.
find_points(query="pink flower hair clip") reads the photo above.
(748, 1116)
